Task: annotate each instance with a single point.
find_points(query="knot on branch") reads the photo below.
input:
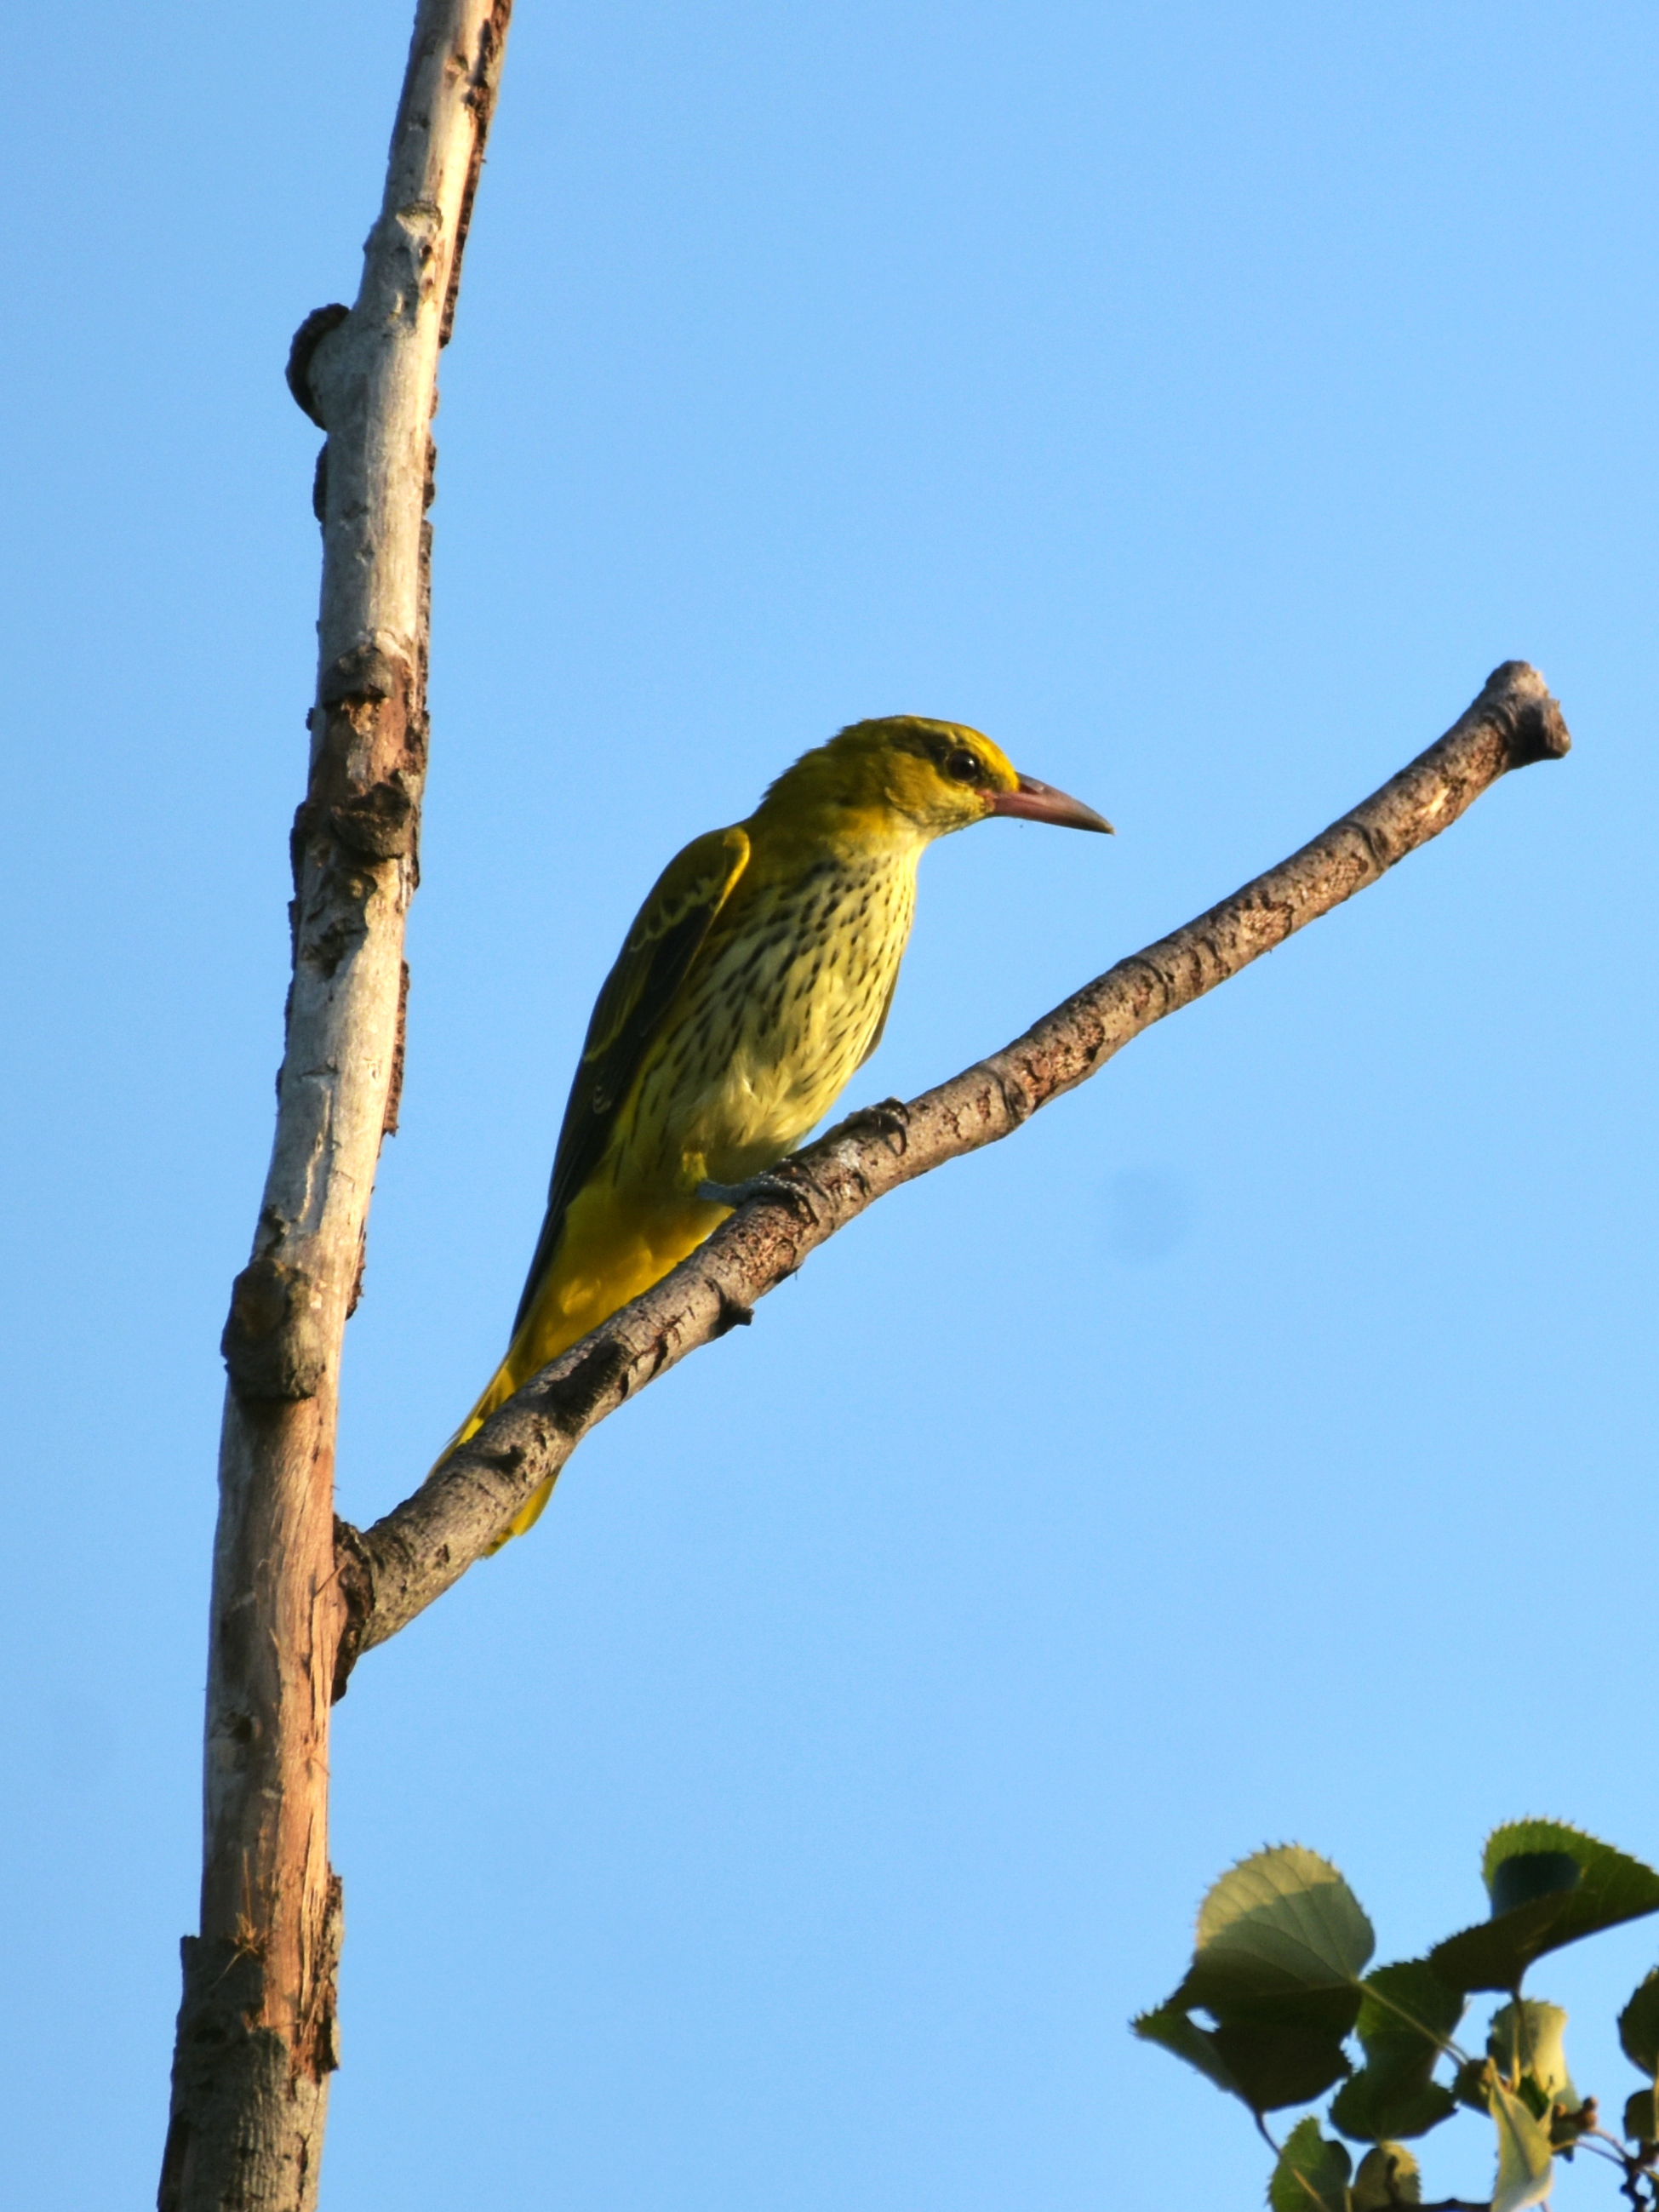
(379, 823)
(306, 339)
(275, 1344)
(370, 761)
(1517, 699)
(732, 1314)
(364, 675)
(1020, 1098)
(570, 1400)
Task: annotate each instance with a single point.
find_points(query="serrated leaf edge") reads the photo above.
(1566, 1828)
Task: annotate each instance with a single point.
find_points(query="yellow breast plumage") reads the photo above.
(786, 1002)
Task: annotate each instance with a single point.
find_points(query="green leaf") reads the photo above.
(1278, 2061)
(1388, 2176)
(1169, 2027)
(1525, 2043)
(1312, 2173)
(1638, 2026)
(1278, 1925)
(1525, 1875)
(1407, 2014)
(1265, 2063)
(1536, 1908)
(1281, 1942)
(1639, 2038)
(1525, 2167)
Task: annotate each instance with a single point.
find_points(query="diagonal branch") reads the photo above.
(394, 1570)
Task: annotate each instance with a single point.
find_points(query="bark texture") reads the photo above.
(394, 1570)
(256, 2038)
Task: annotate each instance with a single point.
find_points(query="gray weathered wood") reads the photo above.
(256, 2038)
(394, 1570)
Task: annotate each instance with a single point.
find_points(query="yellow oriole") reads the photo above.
(756, 979)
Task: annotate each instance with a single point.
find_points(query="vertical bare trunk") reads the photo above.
(255, 2040)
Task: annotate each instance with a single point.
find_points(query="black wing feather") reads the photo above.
(667, 935)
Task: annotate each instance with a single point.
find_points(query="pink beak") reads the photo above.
(1041, 802)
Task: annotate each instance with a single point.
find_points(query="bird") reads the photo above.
(756, 981)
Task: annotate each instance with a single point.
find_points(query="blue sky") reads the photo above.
(1259, 1446)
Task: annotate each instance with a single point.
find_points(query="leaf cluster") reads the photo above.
(1278, 1990)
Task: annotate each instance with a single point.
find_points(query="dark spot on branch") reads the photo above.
(1380, 858)
(379, 823)
(364, 673)
(274, 1344)
(1017, 1103)
(365, 785)
(570, 1400)
(732, 1314)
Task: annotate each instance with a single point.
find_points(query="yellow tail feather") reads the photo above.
(608, 1254)
(502, 1385)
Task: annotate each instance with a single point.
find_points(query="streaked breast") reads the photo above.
(776, 1020)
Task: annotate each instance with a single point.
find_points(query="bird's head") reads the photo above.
(925, 778)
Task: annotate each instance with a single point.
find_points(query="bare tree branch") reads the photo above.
(394, 1570)
(256, 2037)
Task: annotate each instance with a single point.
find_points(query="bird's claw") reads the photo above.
(888, 1118)
(766, 1185)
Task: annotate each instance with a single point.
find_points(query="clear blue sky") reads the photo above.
(1201, 399)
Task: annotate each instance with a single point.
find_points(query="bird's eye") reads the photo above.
(963, 767)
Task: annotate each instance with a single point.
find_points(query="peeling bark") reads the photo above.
(256, 2038)
(396, 1569)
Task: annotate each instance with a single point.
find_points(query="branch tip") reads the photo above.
(1518, 699)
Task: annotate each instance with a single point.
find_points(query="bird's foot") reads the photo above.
(889, 1118)
(766, 1185)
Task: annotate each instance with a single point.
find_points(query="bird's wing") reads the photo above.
(658, 950)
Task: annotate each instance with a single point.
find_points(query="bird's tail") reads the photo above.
(604, 1256)
(518, 1367)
